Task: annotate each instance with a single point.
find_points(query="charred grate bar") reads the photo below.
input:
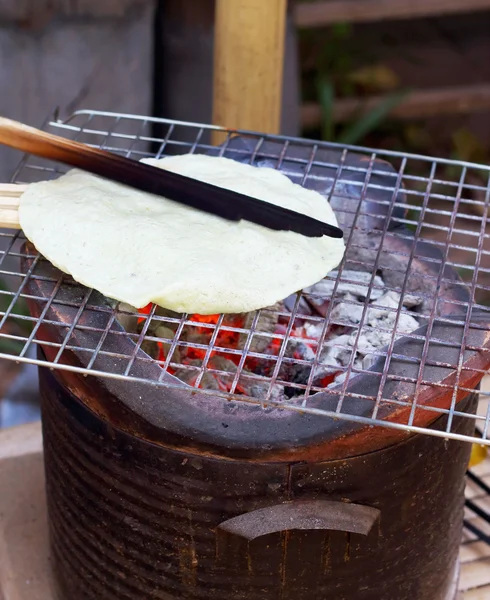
(396, 337)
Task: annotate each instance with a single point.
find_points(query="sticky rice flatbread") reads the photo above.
(139, 248)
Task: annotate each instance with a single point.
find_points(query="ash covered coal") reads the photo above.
(365, 322)
(341, 326)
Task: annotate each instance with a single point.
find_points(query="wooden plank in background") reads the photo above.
(474, 491)
(248, 64)
(419, 104)
(184, 64)
(31, 15)
(481, 593)
(321, 14)
(472, 551)
(475, 574)
(104, 63)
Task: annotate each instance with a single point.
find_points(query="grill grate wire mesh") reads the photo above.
(447, 203)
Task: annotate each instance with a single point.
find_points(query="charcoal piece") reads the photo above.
(386, 318)
(157, 323)
(303, 308)
(296, 372)
(165, 333)
(337, 351)
(299, 349)
(410, 301)
(193, 336)
(151, 348)
(220, 363)
(320, 294)
(347, 313)
(127, 320)
(260, 390)
(313, 329)
(267, 323)
(189, 376)
(165, 312)
(245, 385)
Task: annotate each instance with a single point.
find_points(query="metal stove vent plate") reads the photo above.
(384, 201)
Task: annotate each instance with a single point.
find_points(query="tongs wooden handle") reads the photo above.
(9, 204)
(196, 194)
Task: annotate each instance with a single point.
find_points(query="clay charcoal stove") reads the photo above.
(297, 452)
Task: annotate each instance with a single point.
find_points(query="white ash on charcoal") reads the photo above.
(260, 391)
(378, 325)
(351, 282)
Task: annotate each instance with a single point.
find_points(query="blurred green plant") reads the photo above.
(356, 130)
(333, 66)
(334, 52)
(467, 147)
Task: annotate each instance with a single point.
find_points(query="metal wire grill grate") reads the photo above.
(393, 327)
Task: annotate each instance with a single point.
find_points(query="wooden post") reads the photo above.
(248, 64)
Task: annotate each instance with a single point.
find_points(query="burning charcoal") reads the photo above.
(313, 330)
(323, 375)
(128, 321)
(340, 378)
(342, 339)
(189, 376)
(324, 289)
(327, 377)
(370, 340)
(267, 324)
(410, 301)
(193, 336)
(244, 384)
(386, 318)
(333, 358)
(165, 312)
(303, 307)
(299, 349)
(164, 332)
(368, 361)
(220, 363)
(293, 371)
(151, 348)
(259, 391)
(297, 372)
(347, 314)
(247, 384)
(335, 353)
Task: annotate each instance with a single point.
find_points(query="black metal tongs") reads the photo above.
(196, 194)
